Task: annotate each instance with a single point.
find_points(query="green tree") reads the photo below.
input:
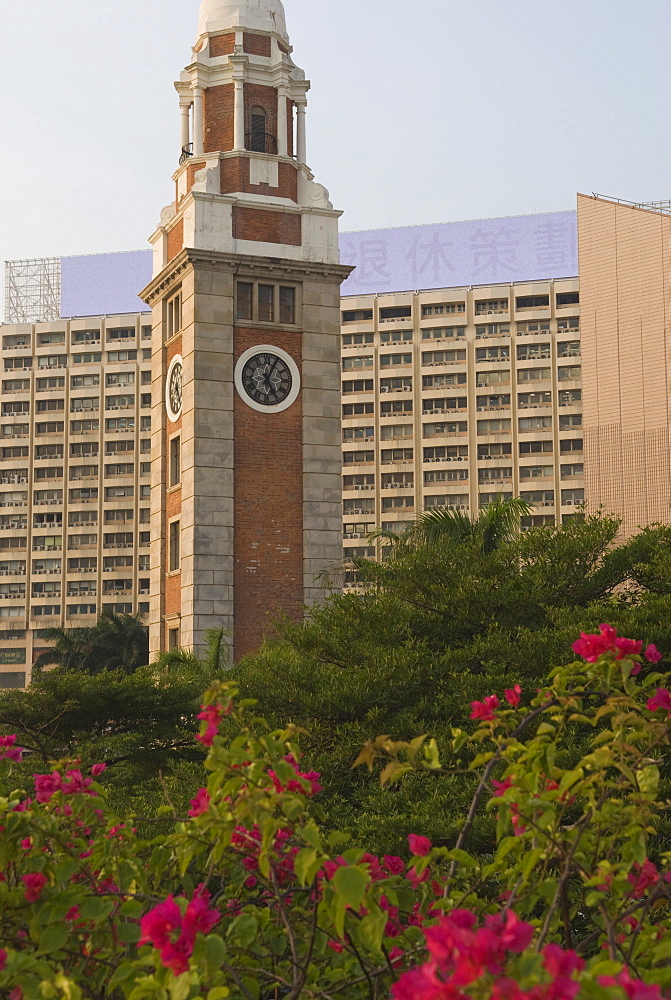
(495, 525)
(217, 656)
(115, 642)
(435, 627)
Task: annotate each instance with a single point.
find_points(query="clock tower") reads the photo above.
(245, 301)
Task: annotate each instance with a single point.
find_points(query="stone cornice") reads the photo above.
(245, 264)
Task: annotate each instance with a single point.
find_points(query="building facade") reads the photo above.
(75, 456)
(245, 304)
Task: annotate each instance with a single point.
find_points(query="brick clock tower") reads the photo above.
(245, 300)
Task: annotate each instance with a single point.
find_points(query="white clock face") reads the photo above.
(267, 378)
(173, 389)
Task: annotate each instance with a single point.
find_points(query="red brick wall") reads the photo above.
(172, 599)
(266, 227)
(235, 178)
(222, 45)
(268, 506)
(256, 45)
(176, 239)
(191, 172)
(218, 107)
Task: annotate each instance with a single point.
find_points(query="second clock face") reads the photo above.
(267, 379)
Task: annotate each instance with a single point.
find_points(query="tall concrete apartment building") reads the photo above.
(511, 370)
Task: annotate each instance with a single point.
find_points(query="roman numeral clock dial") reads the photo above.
(267, 379)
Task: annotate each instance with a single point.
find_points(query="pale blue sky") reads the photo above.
(429, 111)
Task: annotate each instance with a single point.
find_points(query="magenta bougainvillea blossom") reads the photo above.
(485, 709)
(9, 750)
(201, 803)
(591, 647)
(173, 932)
(34, 884)
(419, 846)
(211, 715)
(662, 699)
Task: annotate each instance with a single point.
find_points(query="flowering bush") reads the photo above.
(248, 898)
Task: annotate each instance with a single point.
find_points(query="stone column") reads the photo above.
(239, 115)
(301, 154)
(282, 137)
(198, 121)
(184, 132)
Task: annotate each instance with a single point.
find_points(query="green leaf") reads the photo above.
(120, 975)
(216, 952)
(53, 938)
(180, 987)
(96, 908)
(648, 779)
(351, 884)
(393, 771)
(304, 863)
(129, 933)
(662, 951)
(371, 931)
(244, 930)
(310, 833)
(463, 858)
(218, 993)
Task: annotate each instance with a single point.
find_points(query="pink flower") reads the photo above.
(645, 876)
(561, 964)
(501, 786)
(211, 715)
(174, 935)
(98, 769)
(662, 699)
(161, 923)
(336, 946)
(484, 709)
(199, 918)
(591, 647)
(635, 989)
(8, 750)
(513, 695)
(34, 884)
(419, 846)
(652, 654)
(76, 784)
(3, 959)
(201, 803)
(394, 865)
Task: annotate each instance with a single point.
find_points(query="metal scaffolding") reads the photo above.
(32, 290)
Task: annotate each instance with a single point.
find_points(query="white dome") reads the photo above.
(260, 15)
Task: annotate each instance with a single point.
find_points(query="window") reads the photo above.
(116, 447)
(51, 338)
(568, 372)
(173, 638)
(83, 403)
(82, 541)
(365, 482)
(145, 423)
(495, 402)
(395, 431)
(348, 364)
(492, 353)
(120, 469)
(146, 332)
(120, 378)
(266, 301)
(118, 540)
(175, 461)
(244, 295)
(83, 381)
(501, 426)
(402, 383)
(85, 336)
(45, 611)
(50, 427)
(357, 409)
(16, 385)
(576, 496)
(537, 521)
(79, 610)
(394, 503)
(433, 381)
(525, 399)
(145, 377)
(358, 529)
(12, 364)
(358, 433)
(53, 361)
(396, 337)
(357, 457)
(84, 426)
(390, 455)
(536, 471)
(48, 451)
(532, 301)
(114, 562)
(533, 374)
(442, 357)
(568, 349)
(535, 447)
(452, 500)
(120, 424)
(529, 352)
(392, 360)
(9, 409)
(493, 475)
(87, 359)
(445, 427)
(483, 306)
(115, 357)
(446, 476)
(573, 444)
(574, 469)
(174, 545)
(124, 514)
(119, 402)
(395, 312)
(354, 340)
(117, 492)
(124, 333)
(145, 399)
(492, 330)
(567, 299)
(442, 308)
(83, 471)
(358, 385)
(396, 406)
(443, 332)
(78, 517)
(535, 424)
(15, 430)
(570, 323)
(569, 420)
(84, 495)
(569, 396)
(492, 378)
(173, 315)
(358, 506)
(257, 137)
(80, 448)
(287, 305)
(446, 453)
(357, 315)
(546, 497)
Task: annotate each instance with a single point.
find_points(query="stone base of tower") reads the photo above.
(258, 502)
